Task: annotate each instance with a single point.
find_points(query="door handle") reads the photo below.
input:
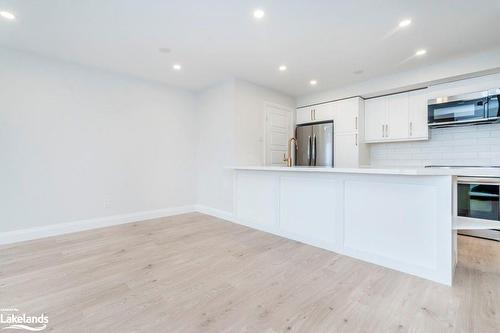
(309, 150)
(313, 162)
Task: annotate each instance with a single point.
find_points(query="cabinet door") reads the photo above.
(418, 128)
(397, 117)
(375, 118)
(303, 115)
(346, 115)
(308, 207)
(323, 112)
(346, 153)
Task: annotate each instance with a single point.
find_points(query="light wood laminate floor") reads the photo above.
(195, 273)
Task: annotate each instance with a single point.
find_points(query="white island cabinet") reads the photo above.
(401, 219)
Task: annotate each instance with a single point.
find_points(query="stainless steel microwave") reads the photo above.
(474, 108)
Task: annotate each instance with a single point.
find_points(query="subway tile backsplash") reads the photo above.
(468, 145)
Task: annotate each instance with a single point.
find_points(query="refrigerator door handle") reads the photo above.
(313, 162)
(309, 150)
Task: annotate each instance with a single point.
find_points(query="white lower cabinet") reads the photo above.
(347, 154)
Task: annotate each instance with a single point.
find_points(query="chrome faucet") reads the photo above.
(290, 160)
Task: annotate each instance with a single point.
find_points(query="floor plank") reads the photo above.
(195, 273)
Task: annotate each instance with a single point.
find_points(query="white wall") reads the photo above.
(232, 124)
(422, 77)
(250, 120)
(215, 147)
(72, 139)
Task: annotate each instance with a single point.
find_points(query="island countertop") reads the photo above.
(409, 171)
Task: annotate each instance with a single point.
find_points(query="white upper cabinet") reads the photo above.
(346, 115)
(399, 117)
(315, 113)
(418, 128)
(375, 119)
(304, 115)
(324, 112)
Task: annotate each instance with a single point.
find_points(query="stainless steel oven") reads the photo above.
(479, 198)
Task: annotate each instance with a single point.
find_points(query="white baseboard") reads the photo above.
(95, 223)
(221, 214)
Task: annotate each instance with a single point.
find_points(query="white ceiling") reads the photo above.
(215, 40)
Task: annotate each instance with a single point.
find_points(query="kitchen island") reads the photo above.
(400, 218)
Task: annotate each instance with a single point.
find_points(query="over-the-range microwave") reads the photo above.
(467, 109)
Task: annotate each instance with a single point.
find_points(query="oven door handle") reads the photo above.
(478, 180)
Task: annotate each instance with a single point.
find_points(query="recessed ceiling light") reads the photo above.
(404, 23)
(177, 67)
(258, 14)
(420, 52)
(313, 82)
(7, 15)
(282, 68)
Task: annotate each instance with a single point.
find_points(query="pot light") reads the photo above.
(282, 68)
(177, 67)
(404, 23)
(7, 15)
(313, 82)
(258, 14)
(420, 52)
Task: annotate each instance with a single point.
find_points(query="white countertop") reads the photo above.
(411, 171)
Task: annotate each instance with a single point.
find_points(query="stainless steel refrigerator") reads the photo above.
(315, 144)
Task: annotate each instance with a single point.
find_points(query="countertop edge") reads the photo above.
(415, 171)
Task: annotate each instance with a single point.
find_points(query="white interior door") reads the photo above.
(278, 131)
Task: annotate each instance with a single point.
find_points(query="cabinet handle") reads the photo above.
(383, 130)
(411, 128)
(386, 130)
(356, 139)
(356, 123)
(314, 114)
(311, 115)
